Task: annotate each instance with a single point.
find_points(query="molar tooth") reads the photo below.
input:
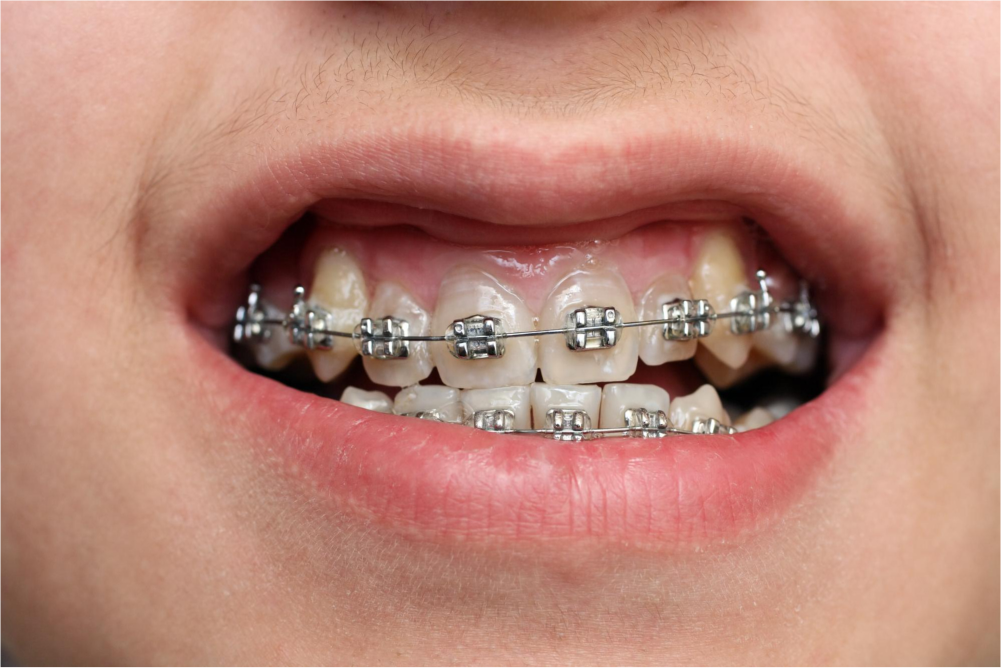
(373, 401)
(416, 398)
(719, 276)
(617, 397)
(517, 398)
(338, 287)
(578, 397)
(702, 403)
(754, 419)
(391, 299)
(805, 358)
(723, 376)
(467, 291)
(654, 348)
(590, 285)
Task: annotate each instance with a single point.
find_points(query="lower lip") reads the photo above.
(442, 482)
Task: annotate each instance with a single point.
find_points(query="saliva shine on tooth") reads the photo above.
(591, 328)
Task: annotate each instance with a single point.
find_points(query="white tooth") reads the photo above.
(590, 285)
(805, 358)
(466, 291)
(723, 376)
(517, 398)
(439, 398)
(373, 401)
(654, 348)
(776, 343)
(338, 287)
(719, 276)
(578, 397)
(277, 352)
(702, 403)
(391, 299)
(754, 419)
(617, 397)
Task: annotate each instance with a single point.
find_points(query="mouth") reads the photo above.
(505, 354)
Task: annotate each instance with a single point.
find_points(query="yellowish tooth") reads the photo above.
(338, 287)
(776, 343)
(418, 398)
(392, 299)
(616, 398)
(654, 348)
(517, 398)
(719, 276)
(723, 376)
(575, 397)
(754, 419)
(277, 352)
(466, 291)
(805, 359)
(702, 403)
(373, 401)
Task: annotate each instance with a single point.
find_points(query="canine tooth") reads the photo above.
(338, 287)
(391, 299)
(467, 291)
(581, 397)
(702, 403)
(617, 397)
(654, 348)
(373, 401)
(754, 419)
(416, 398)
(719, 276)
(517, 398)
(590, 285)
(723, 376)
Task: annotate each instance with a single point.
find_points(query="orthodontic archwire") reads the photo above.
(588, 328)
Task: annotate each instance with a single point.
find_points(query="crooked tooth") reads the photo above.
(754, 419)
(654, 348)
(417, 398)
(590, 285)
(517, 398)
(391, 299)
(577, 397)
(467, 291)
(616, 398)
(723, 376)
(702, 403)
(339, 287)
(719, 276)
(373, 401)
(276, 352)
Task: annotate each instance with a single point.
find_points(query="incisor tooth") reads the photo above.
(719, 276)
(617, 397)
(338, 287)
(723, 376)
(654, 348)
(517, 398)
(467, 291)
(391, 299)
(702, 403)
(373, 401)
(590, 285)
(754, 419)
(416, 398)
(576, 397)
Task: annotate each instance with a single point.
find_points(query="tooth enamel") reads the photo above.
(276, 352)
(373, 401)
(546, 397)
(616, 398)
(654, 348)
(467, 291)
(416, 398)
(754, 419)
(391, 299)
(702, 403)
(805, 357)
(719, 276)
(517, 398)
(591, 285)
(722, 376)
(338, 287)
(776, 344)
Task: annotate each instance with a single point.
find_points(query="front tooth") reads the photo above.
(702, 403)
(577, 397)
(723, 376)
(373, 401)
(516, 398)
(276, 352)
(590, 285)
(755, 418)
(617, 397)
(654, 348)
(719, 277)
(338, 287)
(417, 398)
(466, 291)
(391, 299)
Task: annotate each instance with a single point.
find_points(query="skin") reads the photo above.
(137, 530)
